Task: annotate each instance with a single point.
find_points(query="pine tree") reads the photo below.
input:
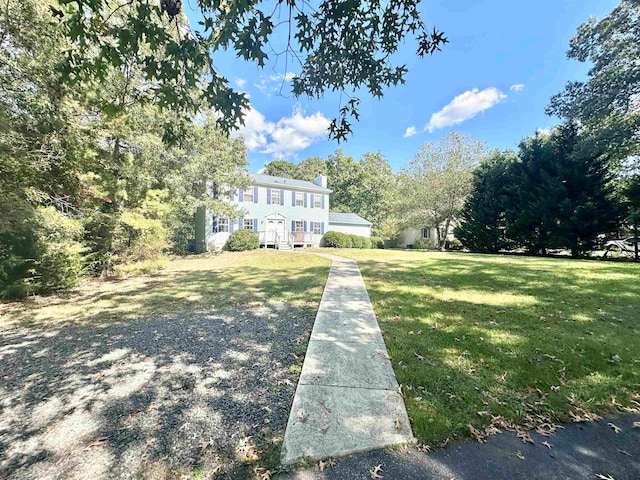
(483, 219)
(562, 196)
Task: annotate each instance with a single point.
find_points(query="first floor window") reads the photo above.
(426, 232)
(317, 228)
(299, 226)
(248, 224)
(317, 201)
(248, 195)
(275, 197)
(223, 225)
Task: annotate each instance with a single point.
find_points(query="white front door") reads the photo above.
(275, 227)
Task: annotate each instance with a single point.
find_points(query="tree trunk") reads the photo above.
(446, 232)
(635, 241)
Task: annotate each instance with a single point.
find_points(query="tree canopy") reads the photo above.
(608, 103)
(435, 184)
(336, 45)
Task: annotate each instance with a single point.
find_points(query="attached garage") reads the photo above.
(349, 223)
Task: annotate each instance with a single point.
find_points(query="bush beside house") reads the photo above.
(242, 240)
(342, 240)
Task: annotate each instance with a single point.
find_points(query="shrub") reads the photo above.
(333, 239)
(242, 240)
(356, 241)
(60, 260)
(377, 242)
(454, 244)
(366, 242)
(425, 244)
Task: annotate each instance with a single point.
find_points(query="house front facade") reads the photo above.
(283, 212)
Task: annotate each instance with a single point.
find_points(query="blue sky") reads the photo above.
(493, 81)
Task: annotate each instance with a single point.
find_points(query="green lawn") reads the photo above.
(187, 284)
(485, 339)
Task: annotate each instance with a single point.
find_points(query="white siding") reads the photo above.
(361, 230)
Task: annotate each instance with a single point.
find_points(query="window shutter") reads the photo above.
(214, 221)
(293, 225)
(304, 226)
(241, 195)
(241, 223)
(232, 194)
(281, 197)
(323, 200)
(268, 196)
(311, 227)
(305, 199)
(230, 225)
(255, 194)
(322, 228)
(255, 225)
(293, 199)
(312, 200)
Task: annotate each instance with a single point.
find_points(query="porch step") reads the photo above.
(284, 246)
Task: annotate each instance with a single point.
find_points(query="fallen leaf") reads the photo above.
(302, 415)
(636, 424)
(96, 443)
(423, 447)
(519, 455)
(375, 471)
(616, 428)
(547, 444)
(602, 477)
(323, 464)
(397, 424)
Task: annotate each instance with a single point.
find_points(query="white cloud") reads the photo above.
(518, 87)
(287, 77)
(464, 107)
(285, 137)
(411, 131)
(240, 82)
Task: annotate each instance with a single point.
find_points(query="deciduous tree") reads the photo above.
(336, 44)
(435, 184)
(608, 103)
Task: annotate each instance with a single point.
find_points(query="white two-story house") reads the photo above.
(285, 213)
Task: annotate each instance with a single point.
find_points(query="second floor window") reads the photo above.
(248, 195)
(248, 224)
(299, 199)
(275, 197)
(317, 201)
(299, 226)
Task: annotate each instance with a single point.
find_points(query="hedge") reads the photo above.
(342, 240)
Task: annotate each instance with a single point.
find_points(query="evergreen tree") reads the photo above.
(562, 196)
(483, 219)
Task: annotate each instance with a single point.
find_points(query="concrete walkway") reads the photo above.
(347, 399)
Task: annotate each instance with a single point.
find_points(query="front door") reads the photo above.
(275, 226)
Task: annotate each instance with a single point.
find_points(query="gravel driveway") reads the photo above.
(176, 396)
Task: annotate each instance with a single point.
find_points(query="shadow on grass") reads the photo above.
(511, 336)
